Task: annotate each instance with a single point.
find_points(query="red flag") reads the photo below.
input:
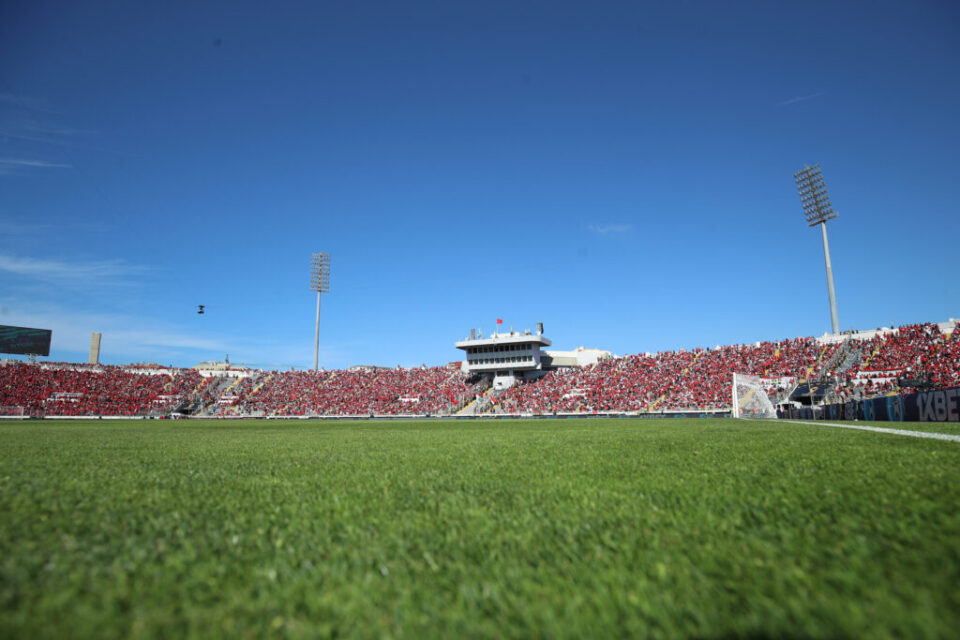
(499, 321)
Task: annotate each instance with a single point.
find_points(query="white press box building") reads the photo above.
(511, 356)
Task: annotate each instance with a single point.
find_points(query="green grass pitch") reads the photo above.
(551, 528)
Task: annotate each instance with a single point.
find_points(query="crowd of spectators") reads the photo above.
(902, 360)
(362, 391)
(62, 389)
(908, 347)
(943, 364)
(698, 379)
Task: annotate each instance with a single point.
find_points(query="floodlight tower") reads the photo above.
(319, 282)
(817, 208)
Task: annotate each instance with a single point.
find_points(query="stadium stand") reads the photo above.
(943, 363)
(63, 389)
(852, 366)
(364, 391)
(672, 380)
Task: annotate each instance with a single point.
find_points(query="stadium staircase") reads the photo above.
(191, 405)
(195, 403)
(834, 360)
(232, 408)
(495, 404)
(848, 355)
(262, 383)
(479, 389)
(654, 404)
(487, 403)
(816, 365)
(235, 382)
(469, 409)
(851, 354)
(220, 386)
(876, 350)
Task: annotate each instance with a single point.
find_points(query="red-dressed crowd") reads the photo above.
(697, 379)
(363, 391)
(62, 389)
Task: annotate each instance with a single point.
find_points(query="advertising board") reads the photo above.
(24, 340)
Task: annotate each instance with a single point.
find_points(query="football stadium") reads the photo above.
(666, 434)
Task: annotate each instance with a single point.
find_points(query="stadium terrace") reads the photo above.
(504, 375)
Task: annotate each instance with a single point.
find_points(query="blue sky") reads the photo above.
(622, 172)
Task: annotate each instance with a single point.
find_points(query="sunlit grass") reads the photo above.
(582, 528)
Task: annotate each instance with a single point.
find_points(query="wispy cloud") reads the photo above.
(163, 339)
(46, 134)
(10, 228)
(10, 166)
(605, 229)
(71, 273)
(12, 100)
(30, 127)
(797, 99)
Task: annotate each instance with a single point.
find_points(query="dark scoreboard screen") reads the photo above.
(24, 340)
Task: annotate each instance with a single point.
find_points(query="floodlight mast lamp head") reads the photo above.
(320, 273)
(813, 195)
